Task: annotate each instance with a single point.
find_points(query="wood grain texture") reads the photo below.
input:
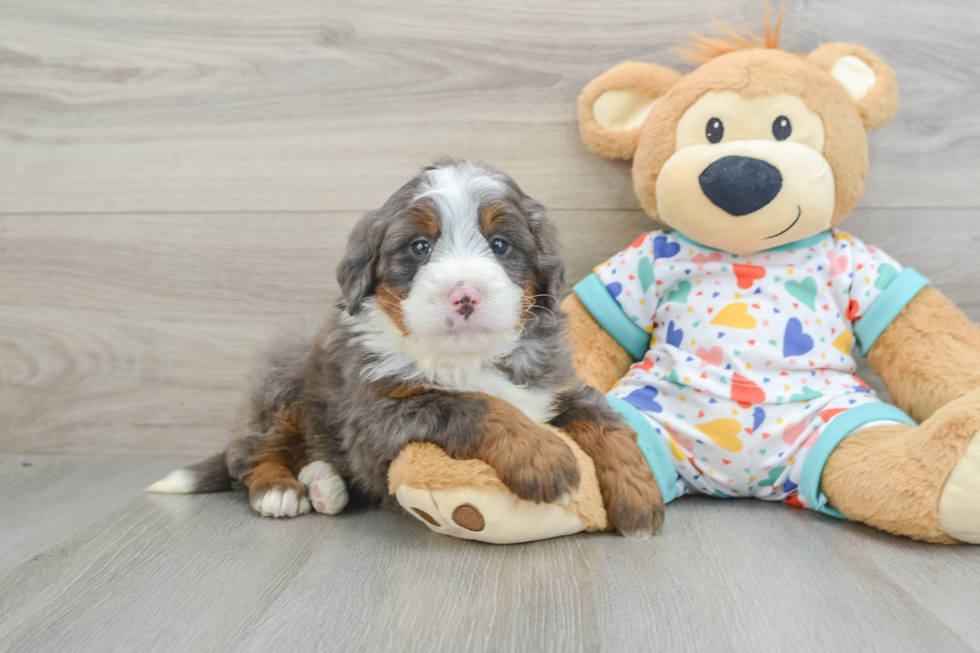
(205, 573)
(47, 497)
(177, 181)
(134, 333)
(251, 105)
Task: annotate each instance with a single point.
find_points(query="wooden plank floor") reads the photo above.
(255, 105)
(133, 572)
(177, 180)
(133, 334)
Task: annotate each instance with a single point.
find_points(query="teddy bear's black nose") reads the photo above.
(740, 185)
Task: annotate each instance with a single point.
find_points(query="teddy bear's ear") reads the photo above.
(869, 81)
(614, 105)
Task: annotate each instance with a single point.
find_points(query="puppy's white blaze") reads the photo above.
(180, 481)
(462, 257)
(458, 191)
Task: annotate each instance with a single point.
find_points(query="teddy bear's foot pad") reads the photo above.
(494, 517)
(959, 507)
(465, 515)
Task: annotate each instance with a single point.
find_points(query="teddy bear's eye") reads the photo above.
(714, 130)
(781, 128)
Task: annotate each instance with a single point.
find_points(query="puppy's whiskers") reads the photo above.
(387, 302)
(534, 304)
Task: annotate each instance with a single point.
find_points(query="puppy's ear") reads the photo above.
(550, 262)
(869, 81)
(614, 105)
(358, 269)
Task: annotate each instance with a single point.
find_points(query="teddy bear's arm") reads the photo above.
(599, 360)
(928, 356)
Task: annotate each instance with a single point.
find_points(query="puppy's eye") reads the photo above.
(715, 130)
(499, 246)
(421, 248)
(781, 128)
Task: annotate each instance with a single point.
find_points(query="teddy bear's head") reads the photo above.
(754, 149)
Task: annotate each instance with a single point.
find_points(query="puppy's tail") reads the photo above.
(209, 475)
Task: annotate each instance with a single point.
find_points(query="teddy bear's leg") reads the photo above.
(923, 482)
(466, 499)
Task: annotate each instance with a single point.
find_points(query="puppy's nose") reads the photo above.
(739, 185)
(465, 300)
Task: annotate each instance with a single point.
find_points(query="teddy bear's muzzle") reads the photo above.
(740, 185)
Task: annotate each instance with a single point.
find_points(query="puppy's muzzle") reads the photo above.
(740, 185)
(465, 300)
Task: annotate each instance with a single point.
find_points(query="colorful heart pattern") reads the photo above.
(842, 343)
(663, 248)
(644, 272)
(723, 432)
(792, 431)
(745, 275)
(643, 398)
(795, 342)
(701, 260)
(736, 316)
(838, 264)
(746, 392)
(712, 356)
(681, 293)
(886, 274)
(750, 356)
(805, 291)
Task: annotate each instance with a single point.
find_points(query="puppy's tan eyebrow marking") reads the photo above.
(492, 218)
(425, 220)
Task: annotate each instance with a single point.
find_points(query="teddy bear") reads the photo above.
(727, 340)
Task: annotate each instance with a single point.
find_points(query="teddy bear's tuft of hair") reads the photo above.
(702, 49)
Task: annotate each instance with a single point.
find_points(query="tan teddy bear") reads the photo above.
(727, 340)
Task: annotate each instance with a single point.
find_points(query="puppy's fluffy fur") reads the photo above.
(448, 331)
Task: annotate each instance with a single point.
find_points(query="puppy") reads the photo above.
(448, 331)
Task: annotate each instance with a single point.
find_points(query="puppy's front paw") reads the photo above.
(636, 512)
(544, 472)
(633, 501)
(327, 490)
(283, 500)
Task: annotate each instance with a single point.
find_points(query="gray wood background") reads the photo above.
(177, 179)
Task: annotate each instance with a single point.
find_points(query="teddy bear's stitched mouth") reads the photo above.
(799, 212)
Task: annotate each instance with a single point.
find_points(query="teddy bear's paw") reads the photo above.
(959, 506)
(327, 490)
(487, 516)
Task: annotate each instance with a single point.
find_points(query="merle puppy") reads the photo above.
(448, 331)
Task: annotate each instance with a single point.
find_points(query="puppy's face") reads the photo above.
(462, 259)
